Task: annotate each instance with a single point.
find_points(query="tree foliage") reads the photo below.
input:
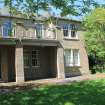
(95, 33)
(73, 7)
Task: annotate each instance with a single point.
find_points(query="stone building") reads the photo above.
(39, 49)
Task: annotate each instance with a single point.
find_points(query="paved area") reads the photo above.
(13, 86)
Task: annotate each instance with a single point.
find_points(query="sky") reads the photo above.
(56, 12)
(99, 1)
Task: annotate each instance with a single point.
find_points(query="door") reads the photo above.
(31, 63)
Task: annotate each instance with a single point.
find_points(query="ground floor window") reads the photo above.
(35, 58)
(26, 58)
(72, 57)
(31, 58)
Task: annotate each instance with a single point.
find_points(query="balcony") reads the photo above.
(20, 32)
(41, 34)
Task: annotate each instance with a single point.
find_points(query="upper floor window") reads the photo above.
(72, 57)
(7, 29)
(73, 31)
(66, 30)
(69, 31)
(39, 30)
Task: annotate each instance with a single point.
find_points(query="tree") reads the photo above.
(95, 35)
(95, 32)
(73, 7)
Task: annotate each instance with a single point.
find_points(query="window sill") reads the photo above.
(75, 66)
(66, 38)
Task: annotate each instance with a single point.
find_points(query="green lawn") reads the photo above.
(82, 93)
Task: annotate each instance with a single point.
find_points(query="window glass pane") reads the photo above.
(68, 57)
(39, 30)
(65, 30)
(75, 57)
(36, 58)
(7, 28)
(73, 27)
(73, 33)
(26, 59)
(73, 30)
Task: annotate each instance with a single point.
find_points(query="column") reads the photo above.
(60, 64)
(19, 64)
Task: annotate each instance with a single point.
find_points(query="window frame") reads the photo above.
(3, 28)
(28, 54)
(69, 32)
(30, 58)
(71, 64)
(42, 36)
(37, 58)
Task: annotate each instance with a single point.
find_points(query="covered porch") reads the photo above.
(40, 62)
(23, 62)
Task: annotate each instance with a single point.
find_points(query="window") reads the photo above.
(69, 31)
(76, 57)
(72, 57)
(39, 30)
(65, 30)
(68, 58)
(31, 58)
(73, 31)
(26, 59)
(35, 58)
(7, 29)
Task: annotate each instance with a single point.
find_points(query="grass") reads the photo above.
(82, 93)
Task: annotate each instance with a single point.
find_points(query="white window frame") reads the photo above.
(42, 30)
(66, 37)
(72, 59)
(13, 33)
(69, 34)
(78, 64)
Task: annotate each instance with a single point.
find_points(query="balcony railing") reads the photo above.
(46, 34)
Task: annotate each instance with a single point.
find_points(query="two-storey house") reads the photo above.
(31, 50)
